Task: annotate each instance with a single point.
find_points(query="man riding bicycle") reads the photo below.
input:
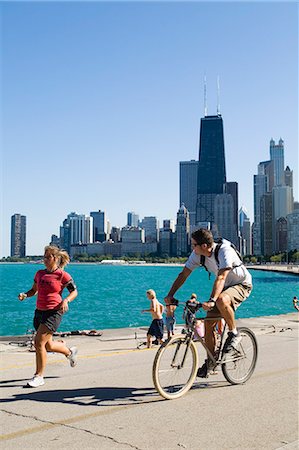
(232, 285)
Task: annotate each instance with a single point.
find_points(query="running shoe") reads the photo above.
(232, 342)
(36, 381)
(72, 357)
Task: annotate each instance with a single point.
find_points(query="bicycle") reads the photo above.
(176, 362)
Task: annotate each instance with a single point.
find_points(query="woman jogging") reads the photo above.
(48, 285)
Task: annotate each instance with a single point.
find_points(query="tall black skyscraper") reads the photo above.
(211, 167)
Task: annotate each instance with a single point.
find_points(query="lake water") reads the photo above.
(113, 296)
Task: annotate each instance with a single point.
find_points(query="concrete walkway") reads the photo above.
(108, 400)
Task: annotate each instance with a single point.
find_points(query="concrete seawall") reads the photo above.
(290, 269)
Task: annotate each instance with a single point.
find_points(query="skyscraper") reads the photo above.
(18, 236)
(188, 187)
(283, 203)
(245, 232)
(277, 156)
(150, 225)
(76, 229)
(224, 215)
(211, 175)
(133, 219)
(183, 231)
(100, 231)
(259, 189)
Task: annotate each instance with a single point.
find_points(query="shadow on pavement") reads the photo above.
(104, 396)
(19, 382)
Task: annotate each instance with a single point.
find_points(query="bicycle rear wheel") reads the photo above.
(175, 367)
(240, 364)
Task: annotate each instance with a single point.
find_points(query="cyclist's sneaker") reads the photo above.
(36, 381)
(232, 342)
(73, 356)
(205, 369)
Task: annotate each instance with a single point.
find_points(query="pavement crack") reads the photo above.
(55, 424)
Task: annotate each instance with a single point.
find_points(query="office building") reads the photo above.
(246, 235)
(132, 219)
(245, 232)
(168, 224)
(211, 175)
(133, 242)
(182, 232)
(281, 230)
(277, 156)
(188, 187)
(132, 234)
(266, 214)
(283, 203)
(166, 239)
(224, 215)
(293, 229)
(115, 234)
(100, 226)
(18, 236)
(150, 225)
(259, 189)
(76, 229)
(231, 188)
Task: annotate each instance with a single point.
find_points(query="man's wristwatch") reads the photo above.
(212, 301)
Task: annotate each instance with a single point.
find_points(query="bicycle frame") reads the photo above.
(217, 358)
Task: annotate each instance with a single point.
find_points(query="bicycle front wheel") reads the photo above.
(240, 364)
(175, 367)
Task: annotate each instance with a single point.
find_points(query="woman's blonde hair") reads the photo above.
(61, 255)
(151, 293)
(193, 296)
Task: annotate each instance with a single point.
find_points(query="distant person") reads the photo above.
(232, 285)
(193, 298)
(50, 307)
(157, 326)
(295, 303)
(170, 320)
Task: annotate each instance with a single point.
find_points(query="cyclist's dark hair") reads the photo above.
(203, 236)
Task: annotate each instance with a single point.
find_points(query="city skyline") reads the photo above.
(95, 122)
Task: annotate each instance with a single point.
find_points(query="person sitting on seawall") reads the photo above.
(232, 285)
(295, 303)
(50, 307)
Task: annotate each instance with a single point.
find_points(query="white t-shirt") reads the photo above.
(228, 259)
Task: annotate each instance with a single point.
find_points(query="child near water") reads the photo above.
(170, 320)
(157, 326)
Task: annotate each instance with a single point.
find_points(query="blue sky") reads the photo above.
(101, 100)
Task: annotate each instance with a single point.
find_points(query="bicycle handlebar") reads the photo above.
(196, 305)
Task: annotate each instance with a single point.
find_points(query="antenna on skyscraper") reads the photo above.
(205, 96)
(218, 96)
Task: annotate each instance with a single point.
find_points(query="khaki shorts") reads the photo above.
(237, 294)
